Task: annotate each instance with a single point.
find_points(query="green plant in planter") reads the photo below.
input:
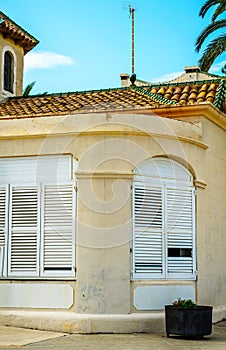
(185, 317)
(185, 303)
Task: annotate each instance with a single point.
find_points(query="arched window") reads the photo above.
(163, 221)
(8, 71)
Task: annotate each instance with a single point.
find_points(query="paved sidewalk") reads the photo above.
(153, 341)
(17, 337)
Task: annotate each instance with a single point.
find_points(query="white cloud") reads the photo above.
(45, 60)
(216, 68)
(167, 77)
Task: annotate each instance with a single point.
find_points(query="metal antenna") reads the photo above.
(131, 12)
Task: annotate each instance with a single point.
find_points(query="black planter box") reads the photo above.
(191, 322)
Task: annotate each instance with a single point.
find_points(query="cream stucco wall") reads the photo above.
(211, 205)
(108, 147)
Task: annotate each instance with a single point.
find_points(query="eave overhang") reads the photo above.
(10, 29)
(206, 110)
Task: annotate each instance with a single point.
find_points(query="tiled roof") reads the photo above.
(188, 93)
(77, 102)
(118, 99)
(14, 31)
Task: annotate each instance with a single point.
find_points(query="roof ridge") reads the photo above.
(18, 26)
(155, 97)
(70, 92)
(185, 82)
(212, 74)
(140, 89)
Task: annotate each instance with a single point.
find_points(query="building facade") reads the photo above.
(112, 202)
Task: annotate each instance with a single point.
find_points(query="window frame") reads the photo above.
(68, 209)
(5, 92)
(151, 182)
(8, 71)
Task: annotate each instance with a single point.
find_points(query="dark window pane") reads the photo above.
(8, 72)
(179, 252)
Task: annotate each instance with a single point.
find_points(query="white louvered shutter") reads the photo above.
(58, 240)
(3, 220)
(147, 242)
(180, 232)
(3, 225)
(24, 229)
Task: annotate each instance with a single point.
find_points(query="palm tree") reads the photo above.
(218, 45)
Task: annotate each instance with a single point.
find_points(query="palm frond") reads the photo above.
(207, 31)
(28, 89)
(213, 50)
(219, 10)
(206, 6)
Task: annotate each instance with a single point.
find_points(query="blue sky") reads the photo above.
(86, 44)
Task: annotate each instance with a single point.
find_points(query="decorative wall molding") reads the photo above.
(103, 175)
(200, 184)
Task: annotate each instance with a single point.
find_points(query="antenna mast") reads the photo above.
(132, 11)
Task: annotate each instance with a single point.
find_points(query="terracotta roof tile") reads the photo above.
(14, 31)
(118, 99)
(204, 87)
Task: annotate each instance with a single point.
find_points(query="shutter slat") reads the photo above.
(180, 265)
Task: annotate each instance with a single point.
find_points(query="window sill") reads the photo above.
(27, 279)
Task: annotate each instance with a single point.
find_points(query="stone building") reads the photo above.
(112, 201)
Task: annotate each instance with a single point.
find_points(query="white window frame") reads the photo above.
(153, 182)
(4, 50)
(5, 266)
